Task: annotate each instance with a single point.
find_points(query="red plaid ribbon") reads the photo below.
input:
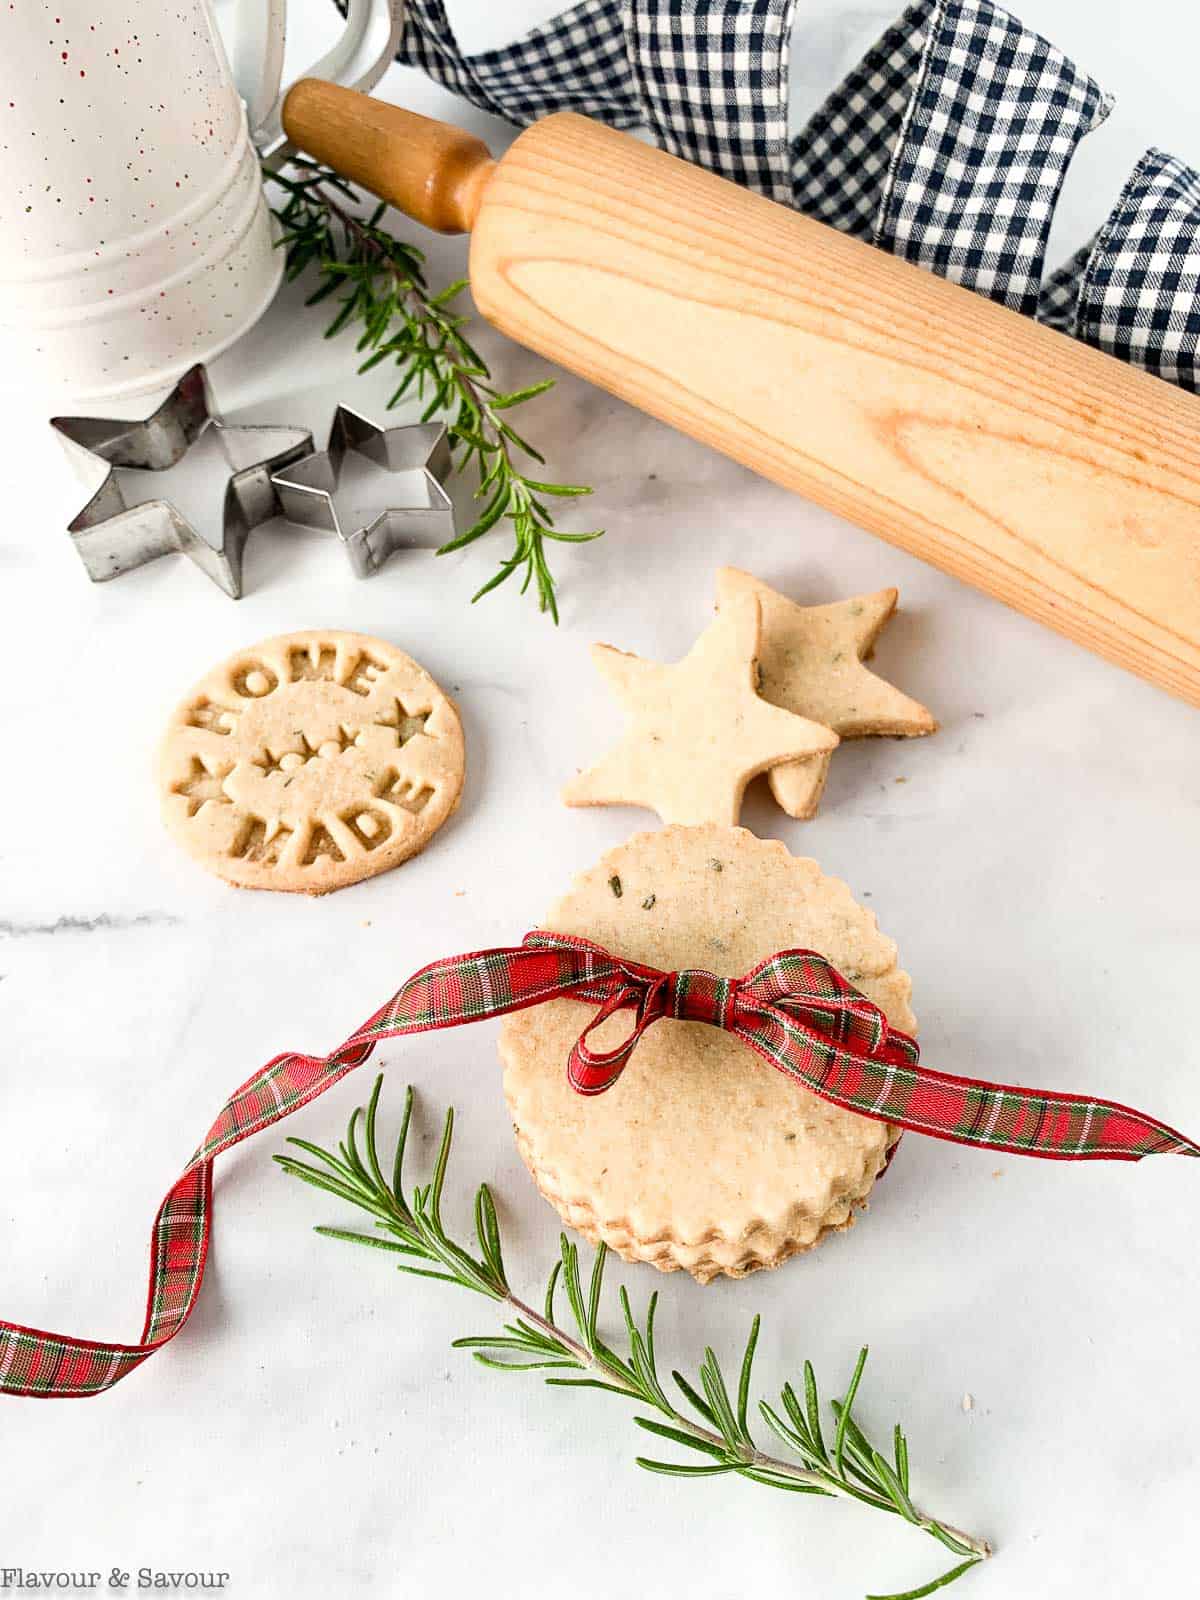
(795, 1010)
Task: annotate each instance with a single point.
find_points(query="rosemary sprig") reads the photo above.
(383, 293)
(711, 1420)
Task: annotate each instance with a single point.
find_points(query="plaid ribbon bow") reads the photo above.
(795, 1010)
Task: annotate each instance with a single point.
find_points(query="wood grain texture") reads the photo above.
(1043, 472)
(434, 172)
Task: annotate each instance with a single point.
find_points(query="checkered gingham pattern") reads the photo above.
(947, 145)
(578, 62)
(707, 77)
(795, 1010)
(841, 162)
(1134, 290)
(1139, 293)
(1058, 298)
(993, 126)
(712, 81)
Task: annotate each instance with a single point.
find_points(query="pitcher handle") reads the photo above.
(362, 55)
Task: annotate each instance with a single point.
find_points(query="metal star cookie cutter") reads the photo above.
(306, 489)
(113, 537)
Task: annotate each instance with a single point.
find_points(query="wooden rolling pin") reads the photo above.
(1044, 472)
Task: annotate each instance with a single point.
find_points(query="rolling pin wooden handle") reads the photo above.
(433, 172)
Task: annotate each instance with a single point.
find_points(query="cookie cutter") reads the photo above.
(113, 537)
(307, 487)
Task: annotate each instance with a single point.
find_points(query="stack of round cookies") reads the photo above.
(700, 1156)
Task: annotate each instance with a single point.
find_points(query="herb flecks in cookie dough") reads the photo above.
(685, 1161)
(310, 761)
(698, 730)
(811, 659)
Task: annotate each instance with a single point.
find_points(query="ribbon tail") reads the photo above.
(34, 1361)
(445, 994)
(57, 1366)
(892, 1087)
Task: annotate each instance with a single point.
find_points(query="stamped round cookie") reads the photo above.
(700, 1156)
(309, 761)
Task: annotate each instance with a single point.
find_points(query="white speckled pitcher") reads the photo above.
(134, 235)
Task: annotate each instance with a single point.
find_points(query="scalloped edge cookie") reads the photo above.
(700, 1157)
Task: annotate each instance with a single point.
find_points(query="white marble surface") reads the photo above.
(310, 1432)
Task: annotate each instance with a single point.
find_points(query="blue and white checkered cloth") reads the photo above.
(947, 145)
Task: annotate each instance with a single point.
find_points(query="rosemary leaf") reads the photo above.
(535, 1341)
(934, 1586)
(674, 1469)
(843, 1411)
(380, 284)
(677, 1436)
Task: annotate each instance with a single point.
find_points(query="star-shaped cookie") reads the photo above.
(698, 730)
(811, 660)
